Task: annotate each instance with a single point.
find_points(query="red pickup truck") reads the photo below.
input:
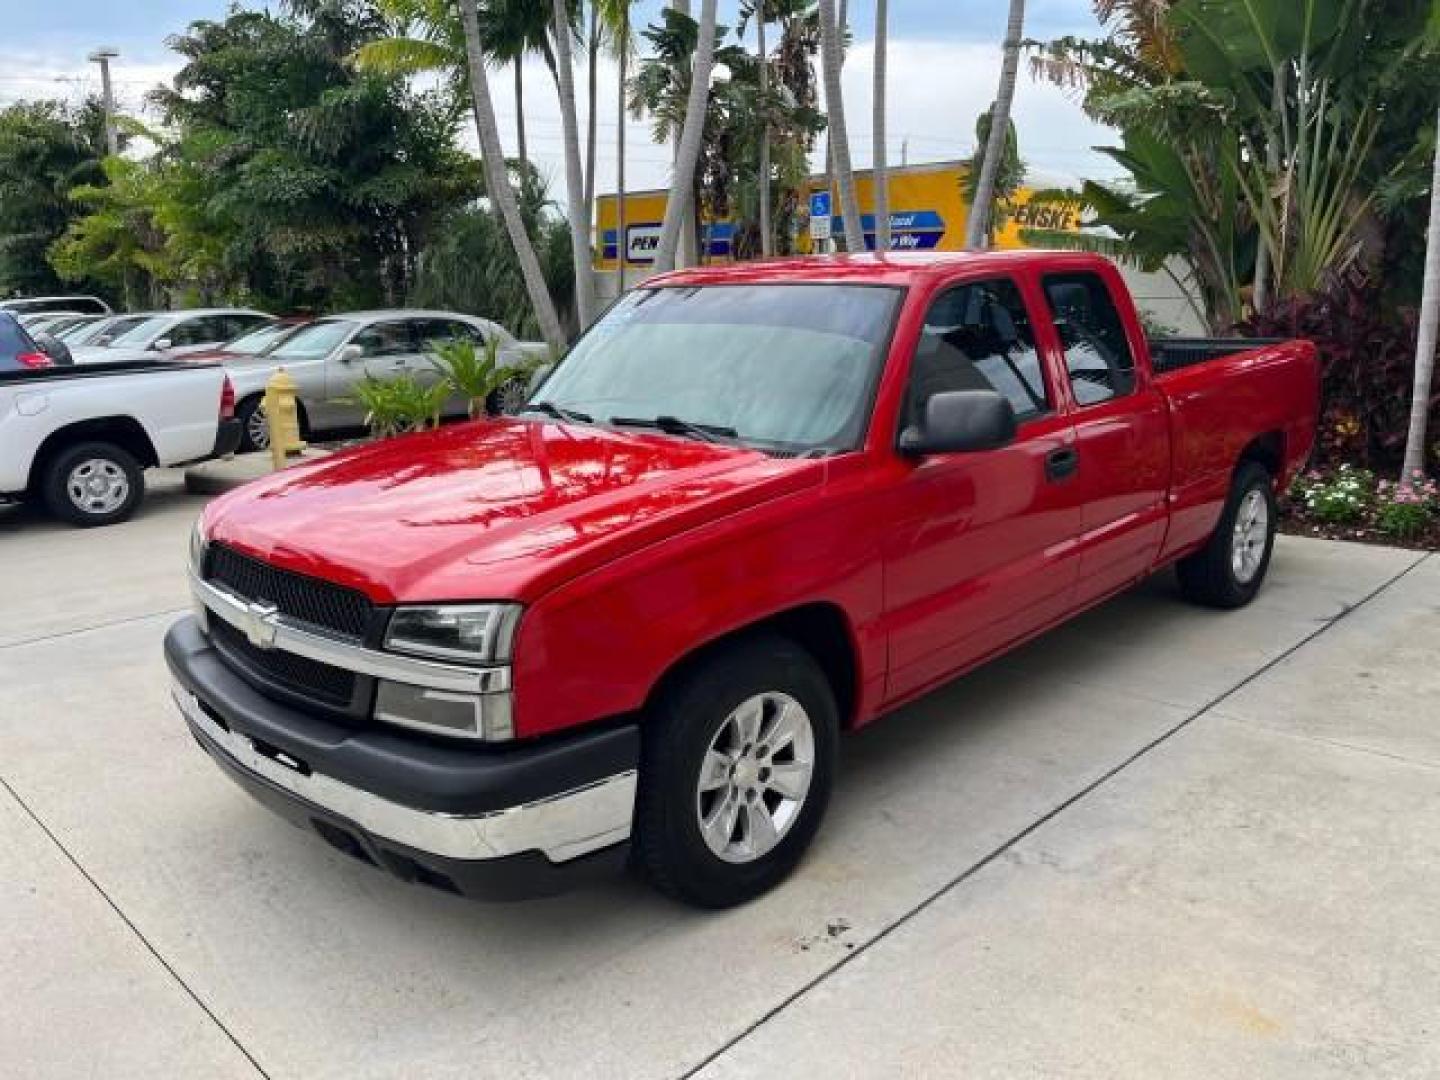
(752, 508)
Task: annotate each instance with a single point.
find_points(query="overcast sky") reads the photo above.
(944, 63)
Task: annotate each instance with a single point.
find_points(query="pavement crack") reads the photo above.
(146, 942)
(1038, 823)
(123, 621)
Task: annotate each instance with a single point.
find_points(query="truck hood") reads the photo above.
(492, 510)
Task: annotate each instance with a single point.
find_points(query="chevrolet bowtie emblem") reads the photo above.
(260, 624)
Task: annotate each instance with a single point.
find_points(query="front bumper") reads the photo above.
(520, 820)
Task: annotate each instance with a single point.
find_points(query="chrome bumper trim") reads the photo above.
(563, 826)
(278, 632)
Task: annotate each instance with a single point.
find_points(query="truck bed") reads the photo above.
(1175, 353)
(96, 371)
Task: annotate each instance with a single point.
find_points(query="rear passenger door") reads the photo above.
(979, 548)
(1122, 434)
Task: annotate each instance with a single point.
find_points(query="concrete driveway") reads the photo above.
(1159, 842)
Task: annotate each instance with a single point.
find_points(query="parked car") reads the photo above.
(18, 350)
(30, 305)
(329, 356)
(754, 506)
(174, 333)
(103, 330)
(77, 439)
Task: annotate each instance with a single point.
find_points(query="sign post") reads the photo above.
(820, 216)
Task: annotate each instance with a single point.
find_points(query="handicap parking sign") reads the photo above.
(820, 215)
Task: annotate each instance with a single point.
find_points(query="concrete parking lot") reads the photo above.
(1159, 842)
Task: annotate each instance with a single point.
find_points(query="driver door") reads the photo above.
(981, 547)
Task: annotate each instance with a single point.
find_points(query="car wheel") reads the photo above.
(736, 768)
(93, 484)
(1229, 570)
(508, 398)
(254, 424)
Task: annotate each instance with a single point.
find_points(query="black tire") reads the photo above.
(668, 847)
(505, 399)
(114, 465)
(1209, 576)
(251, 414)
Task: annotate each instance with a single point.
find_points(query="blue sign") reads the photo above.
(820, 204)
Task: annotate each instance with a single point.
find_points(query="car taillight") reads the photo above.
(227, 399)
(34, 360)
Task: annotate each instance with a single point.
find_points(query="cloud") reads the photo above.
(937, 88)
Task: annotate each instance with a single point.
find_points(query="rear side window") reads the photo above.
(978, 336)
(1097, 352)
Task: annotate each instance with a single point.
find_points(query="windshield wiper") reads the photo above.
(673, 425)
(574, 416)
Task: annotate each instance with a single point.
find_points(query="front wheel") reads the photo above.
(736, 769)
(1229, 570)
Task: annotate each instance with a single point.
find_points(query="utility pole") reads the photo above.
(103, 56)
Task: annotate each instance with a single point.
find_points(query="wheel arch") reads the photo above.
(123, 431)
(821, 628)
(1266, 450)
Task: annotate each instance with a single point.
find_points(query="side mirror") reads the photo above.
(54, 348)
(350, 353)
(162, 345)
(961, 420)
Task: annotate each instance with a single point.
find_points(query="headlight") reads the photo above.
(475, 633)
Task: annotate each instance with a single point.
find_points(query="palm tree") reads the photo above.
(767, 239)
(579, 210)
(977, 229)
(879, 166)
(1429, 336)
(839, 138)
(680, 202)
(615, 17)
(497, 180)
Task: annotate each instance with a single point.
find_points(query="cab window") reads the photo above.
(978, 336)
(1097, 352)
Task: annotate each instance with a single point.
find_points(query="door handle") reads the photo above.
(1061, 464)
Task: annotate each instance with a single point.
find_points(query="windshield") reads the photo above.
(314, 341)
(142, 333)
(786, 367)
(84, 335)
(257, 342)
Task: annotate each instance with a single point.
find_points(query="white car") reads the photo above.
(329, 356)
(174, 333)
(78, 439)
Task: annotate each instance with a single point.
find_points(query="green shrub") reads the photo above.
(474, 373)
(1406, 509)
(1340, 498)
(403, 404)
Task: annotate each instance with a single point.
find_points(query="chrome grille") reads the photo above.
(320, 603)
(299, 675)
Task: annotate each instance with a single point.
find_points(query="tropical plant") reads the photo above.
(1339, 498)
(1005, 179)
(393, 406)
(1406, 509)
(47, 150)
(477, 374)
(1427, 340)
(979, 225)
(501, 194)
(681, 201)
(830, 54)
(116, 241)
(879, 157)
(575, 190)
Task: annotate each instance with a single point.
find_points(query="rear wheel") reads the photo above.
(254, 424)
(1229, 570)
(92, 483)
(735, 773)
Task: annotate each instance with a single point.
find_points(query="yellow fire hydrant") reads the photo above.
(282, 417)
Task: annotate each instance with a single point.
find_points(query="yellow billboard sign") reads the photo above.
(927, 213)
